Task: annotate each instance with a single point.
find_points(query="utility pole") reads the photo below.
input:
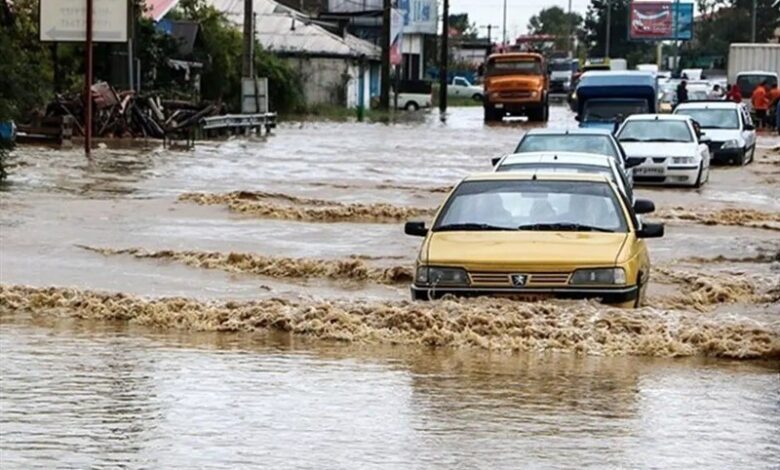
(489, 28)
(609, 28)
(504, 41)
(569, 38)
(753, 22)
(248, 39)
(88, 84)
(384, 96)
(443, 70)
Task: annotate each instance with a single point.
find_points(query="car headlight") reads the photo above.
(599, 276)
(731, 144)
(427, 275)
(683, 160)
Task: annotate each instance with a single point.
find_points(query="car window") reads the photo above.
(599, 144)
(609, 110)
(655, 131)
(713, 118)
(533, 205)
(506, 66)
(460, 81)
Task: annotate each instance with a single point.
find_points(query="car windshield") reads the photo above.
(599, 144)
(609, 110)
(514, 67)
(560, 67)
(713, 118)
(698, 95)
(748, 83)
(653, 130)
(580, 206)
(556, 168)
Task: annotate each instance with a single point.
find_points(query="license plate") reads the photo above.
(527, 297)
(499, 105)
(649, 171)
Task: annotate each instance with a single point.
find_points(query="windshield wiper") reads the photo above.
(630, 139)
(661, 139)
(469, 227)
(564, 227)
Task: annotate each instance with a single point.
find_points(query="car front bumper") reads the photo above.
(728, 155)
(608, 295)
(670, 175)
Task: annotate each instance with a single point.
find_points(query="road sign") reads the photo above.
(66, 20)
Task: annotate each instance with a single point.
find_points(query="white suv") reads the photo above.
(729, 127)
(670, 148)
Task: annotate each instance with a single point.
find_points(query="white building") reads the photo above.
(333, 68)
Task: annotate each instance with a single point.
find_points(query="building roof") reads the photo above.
(285, 31)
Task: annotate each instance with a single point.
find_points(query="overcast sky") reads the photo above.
(484, 12)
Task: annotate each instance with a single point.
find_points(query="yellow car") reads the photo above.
(535, 236)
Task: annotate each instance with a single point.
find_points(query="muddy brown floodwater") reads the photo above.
(245, 304)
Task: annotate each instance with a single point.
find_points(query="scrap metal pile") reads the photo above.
(129, 114)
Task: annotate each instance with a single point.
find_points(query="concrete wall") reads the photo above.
(332, 81)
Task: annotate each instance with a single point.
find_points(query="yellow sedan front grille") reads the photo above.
(504, 279)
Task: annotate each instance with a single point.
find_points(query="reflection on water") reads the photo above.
(81, 395)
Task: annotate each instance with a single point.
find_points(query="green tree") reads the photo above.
(460, 22)
(722, 22)
(620, 47)
(556, 22)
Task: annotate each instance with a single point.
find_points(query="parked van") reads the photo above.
(516, 84)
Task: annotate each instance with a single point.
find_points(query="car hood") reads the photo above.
(560, 75)
(722, 135)
(513, 82)
(659, 149)
(529, 250)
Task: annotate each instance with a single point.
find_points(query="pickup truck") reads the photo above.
(413, 95)
(460, 87)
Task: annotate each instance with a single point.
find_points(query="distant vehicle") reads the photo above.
(647, 68)
(729, 127)
(598, 141)
(516, 84)
(697, 91)
(562, 73)
(692, 74)
(604, 99)
(670, 147)
(414, 95)
(535, 236)
(462, 88)
(618, 65)
(749, 64)
(569, 162)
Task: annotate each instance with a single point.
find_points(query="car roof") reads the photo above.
(709, 105)
(580, 158)
(757, 72)
(531, 176)
(657, 117)
(578, 131)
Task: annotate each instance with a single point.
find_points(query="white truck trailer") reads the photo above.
(751, 64)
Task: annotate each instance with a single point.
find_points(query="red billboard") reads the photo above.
(651, 20)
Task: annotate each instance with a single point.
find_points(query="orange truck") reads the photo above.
(516, 84)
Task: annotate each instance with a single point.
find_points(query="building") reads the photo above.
(335, 69)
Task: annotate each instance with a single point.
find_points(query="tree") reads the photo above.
(460, 23)
(596, 33)
(556, 22)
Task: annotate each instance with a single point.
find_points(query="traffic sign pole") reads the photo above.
(88, 84)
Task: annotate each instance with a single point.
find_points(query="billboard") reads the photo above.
(66, 21)
(661, 21)
(420, 16)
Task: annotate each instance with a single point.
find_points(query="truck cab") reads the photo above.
(605, 99)
(516, 84)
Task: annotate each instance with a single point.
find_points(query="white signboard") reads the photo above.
(66, 20)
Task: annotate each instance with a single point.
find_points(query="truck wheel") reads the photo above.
(546, 112)
(741, 157)
(411, 106)
(477, 97)
(536, 114)
(492, 115)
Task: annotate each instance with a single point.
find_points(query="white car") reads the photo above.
(729, 127)
(568, 162)
(461, 87)
(669, 148)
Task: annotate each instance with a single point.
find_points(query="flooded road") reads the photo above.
(290, 341)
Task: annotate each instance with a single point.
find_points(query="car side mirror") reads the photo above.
(415, 229)
(704, 139)
(632, 162)
(651, 231)
(644, 206)
(750, 127)
(495, 161)
(578, 118)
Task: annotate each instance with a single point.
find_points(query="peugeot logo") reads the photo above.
(519, 279)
